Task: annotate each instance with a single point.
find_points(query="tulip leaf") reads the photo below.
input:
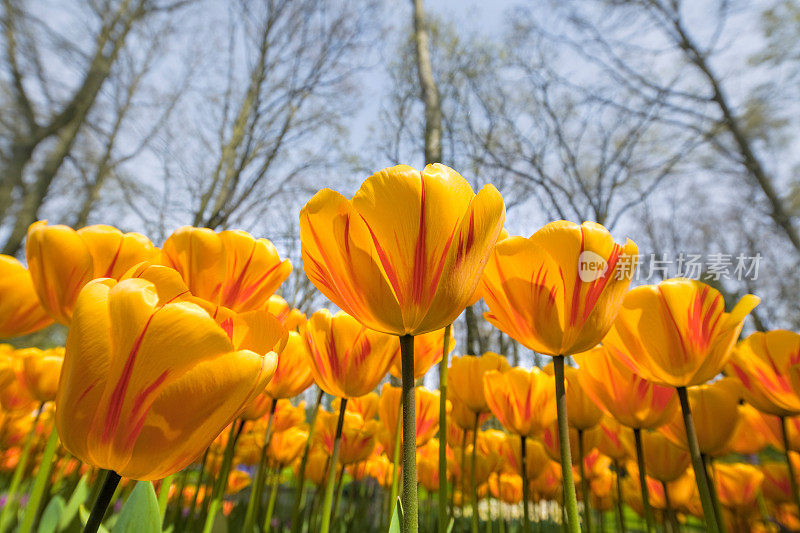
(395, 526)
(78, 498)
(140, 514)
(452, 522)
(84, 514)
(52, 515)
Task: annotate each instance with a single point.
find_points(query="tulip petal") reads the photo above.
(20, 310)
(341, 261)
(113, 252)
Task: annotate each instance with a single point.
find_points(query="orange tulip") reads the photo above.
(426, 412)
(287, 445)
(21, 312)
(380, 468)
(630, 399)
(547, 486)
(507, 488)
(292, 319)
(464, 417)
(358, 436)
(610, 439)
(663, 459)
(776, 485)
(61, 261)
(737, 484)
(465, 379)
(293, 374)
(405, 255)
(427, 352)
(763, 362)
(316, 465)
(584, 413)
(714, 408)
(754, 431)
(41, 370)
(229, 268)
(147, 385)
(364, 406)
(522, 400)
(15, 397)
(558, 291)
(347, 359)
(536, 457)
(676, 333)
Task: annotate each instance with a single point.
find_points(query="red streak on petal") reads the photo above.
(110, 268)
(118, 396)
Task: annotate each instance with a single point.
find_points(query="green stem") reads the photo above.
(570, 499)
(620, 512)
(443, 431)
(178, 506)
(789, 464)
(526, 519)
(337, 493)
(273, 496)
(334, 462)
(648, 511)
(472, 480)
(697, 463)
(257, 488)
(672, 519)
(225, 469)
(587, 508)
(396, 461)
(409, 496)
(101, 504)
(32, 508)
(708, 468)
(10, 507)
(297, 523)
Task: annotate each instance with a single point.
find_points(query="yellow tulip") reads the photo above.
(776, 485)
(714, 408)
(677, 333)
(762, 363)
(754, 431)
(381, 468)
(147, 385)
(15, 397)
(522, 400)
(664, 460)
(464, 417)
(610, 439)
(405, 255)
(629, 398)
(536, 457)
(292, 319)
(287, 445)
(364, 406)
(229, 268)
(347, 359)
(427, 352)
(358, 436)
(547, 486)
(558, 291)
(294, 374)
(61, 261)
(738, 484)
(584, 413)
(41, 370)
(507, 488)
(465, 379)
(21, 312)
(426, 414)
(316, 465)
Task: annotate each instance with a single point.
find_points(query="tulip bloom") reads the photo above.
(292, 319)
(286, 446)
(293, 374)
(465, 379)
(21, 312)
(405, 255)
(536, 457)
(583, 411)
(630, 399)
(754, 431)
(507, 488)
(427, 352)
(15, 397)
(715, 411)
(663, 459)
(676, 333)
(61, 261)
(229, 268)
(41, 370)
(558, 291)
(364, 406)
(426, 413)
(347, 359)
(147, 385)
(737, 484)
(763, 362)
(522, 400)
(357, 439)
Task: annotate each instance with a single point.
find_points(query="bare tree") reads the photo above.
(42, 122)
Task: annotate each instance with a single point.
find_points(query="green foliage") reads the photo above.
(140, 514)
